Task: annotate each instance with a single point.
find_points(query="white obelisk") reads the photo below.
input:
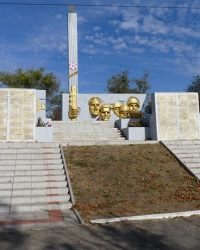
(72, 48)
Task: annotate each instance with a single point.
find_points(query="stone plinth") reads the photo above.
(136, 133)
(43, 134)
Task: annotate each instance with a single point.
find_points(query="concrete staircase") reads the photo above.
(32, 178)
(187, 152)
(82, 133)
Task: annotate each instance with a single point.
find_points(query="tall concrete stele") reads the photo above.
(72, 48)
(73, 63)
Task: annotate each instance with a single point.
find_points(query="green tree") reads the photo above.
(34, 79)
(142, 85)
(195, 85)
(121, 84)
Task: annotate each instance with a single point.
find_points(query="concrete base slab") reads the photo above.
(147, 217)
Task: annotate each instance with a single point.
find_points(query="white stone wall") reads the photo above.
(17, 116)
(175, 116)
(82, 102)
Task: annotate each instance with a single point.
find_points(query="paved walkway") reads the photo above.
(37, 220)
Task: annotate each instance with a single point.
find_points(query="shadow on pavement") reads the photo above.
(177, 234)
(10, 235)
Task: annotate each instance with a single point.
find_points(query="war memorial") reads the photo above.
(175, 116)
(34, 178)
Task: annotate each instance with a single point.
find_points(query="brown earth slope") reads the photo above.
(112, 181)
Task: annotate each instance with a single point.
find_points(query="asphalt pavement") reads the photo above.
(168, 234)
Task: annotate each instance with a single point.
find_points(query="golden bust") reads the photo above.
(124, 112)
(104, 112)
(94, 105)
(115, 108)
(133, 104)
(73, 113)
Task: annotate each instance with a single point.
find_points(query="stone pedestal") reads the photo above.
(137, 133)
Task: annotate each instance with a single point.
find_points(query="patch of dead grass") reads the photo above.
(113, 181)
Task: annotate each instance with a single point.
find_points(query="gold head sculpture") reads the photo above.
(115, 108)
(124, 112)
(94, 105)
(133, 104)
(104, 112)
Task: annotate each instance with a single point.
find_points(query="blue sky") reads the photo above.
(165, 42)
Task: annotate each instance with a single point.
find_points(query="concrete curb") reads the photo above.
(80, 219)
(148, 217)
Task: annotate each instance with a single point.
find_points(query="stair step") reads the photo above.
(34, 191)
(33, 184)
(86, 132)
(31, 167)
(180, 148)
(34, 207)
(31, 172)
(34, 199)
(30, 178)
(188, 152)
(26, 156)
(190, 159)
(195, 170)
(31, 145)
(31, 161)
(29, 150)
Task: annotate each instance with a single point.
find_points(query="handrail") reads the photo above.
(67, 175)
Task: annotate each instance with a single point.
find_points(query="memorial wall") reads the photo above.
(175, 116)
(17, 117)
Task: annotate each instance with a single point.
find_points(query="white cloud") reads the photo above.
(120, 46)
(130, 24)
(101, 42)
(88, 51)
(81, 19)
(189, 66)
(97, 28)
(59, 16)
(183, 31)
(151, 25)
(114, 22)
(89, 38)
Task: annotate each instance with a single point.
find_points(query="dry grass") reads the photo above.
(112, 181)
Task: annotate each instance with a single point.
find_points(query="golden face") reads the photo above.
(124, 112)
(73, 113)
(115, 108)
(133, 104)
(104, 112)
(94, 105)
